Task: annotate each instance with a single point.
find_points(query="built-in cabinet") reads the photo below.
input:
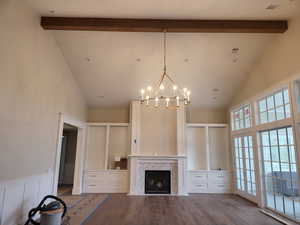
(106, 145)
(208, 158)
(202, 150)
(209, 181)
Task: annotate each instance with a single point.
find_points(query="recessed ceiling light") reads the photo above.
(87, 59)
(100, 96)
(272, 6)
(52, 11)
(186, 60)
(216, 90)
(138, 59)
(215, 98)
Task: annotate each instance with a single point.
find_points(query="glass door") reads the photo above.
(280, 175)
(244, 165)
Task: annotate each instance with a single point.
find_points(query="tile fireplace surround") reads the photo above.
(175, 164)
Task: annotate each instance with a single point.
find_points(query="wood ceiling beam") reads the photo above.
(159, 25)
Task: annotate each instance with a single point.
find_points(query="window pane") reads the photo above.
(280, 113)
(279, 99)
(275, 154)
(284, 154)
(264, 117)
(271, 115)
(287, 111)
(270, 102)
(263, 105)
(286, 96)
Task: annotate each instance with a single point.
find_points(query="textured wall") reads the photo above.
(35, 85)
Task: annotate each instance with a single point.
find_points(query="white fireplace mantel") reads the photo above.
(175, 164)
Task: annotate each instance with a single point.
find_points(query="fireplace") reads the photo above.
(157, 182)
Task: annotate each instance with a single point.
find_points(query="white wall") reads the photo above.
(35, 85)
(158, 131)
(109, 115)
(280, 61)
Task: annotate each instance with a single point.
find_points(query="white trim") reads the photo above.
(108, 124)
(207, 125)
(78, 171)
(107, 147)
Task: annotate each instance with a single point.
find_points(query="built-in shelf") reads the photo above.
(106, 143)
(207, 146)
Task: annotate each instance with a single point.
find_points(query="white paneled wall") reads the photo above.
(17, 197)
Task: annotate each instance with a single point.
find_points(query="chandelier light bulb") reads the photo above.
(156, 102)
(142, 92)
(184, 90)
(161, 87)
(177, 101)
(149, 88)
(174, 87)
(147, 100)
(188, 95)
(167, 102)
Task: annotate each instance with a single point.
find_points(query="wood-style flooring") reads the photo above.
(202, 209)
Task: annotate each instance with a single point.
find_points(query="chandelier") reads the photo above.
(166, 92)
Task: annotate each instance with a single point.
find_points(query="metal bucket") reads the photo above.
(52, 217)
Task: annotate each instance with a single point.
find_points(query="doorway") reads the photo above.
(67, 159)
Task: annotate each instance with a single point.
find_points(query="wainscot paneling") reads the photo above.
(17, 197)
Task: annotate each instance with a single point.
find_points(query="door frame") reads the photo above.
(78, 171)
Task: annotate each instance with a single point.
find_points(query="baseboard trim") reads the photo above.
(277, 217)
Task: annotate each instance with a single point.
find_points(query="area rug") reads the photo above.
(81, 207)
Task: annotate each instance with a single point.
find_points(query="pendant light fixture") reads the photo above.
(166, 93)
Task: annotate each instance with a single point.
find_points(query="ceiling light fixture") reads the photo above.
(272, 6)
(167, 92)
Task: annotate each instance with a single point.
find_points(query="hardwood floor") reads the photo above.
(199, 209)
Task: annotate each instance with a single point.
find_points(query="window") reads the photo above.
(244, 165)
(280, 171)
(274, 107)
(241, 118)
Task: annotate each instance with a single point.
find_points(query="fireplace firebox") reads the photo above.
(157, 182)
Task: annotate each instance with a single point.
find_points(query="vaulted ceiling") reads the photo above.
(111, 67)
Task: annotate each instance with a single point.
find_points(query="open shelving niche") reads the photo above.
(207, 147)
(105, 142)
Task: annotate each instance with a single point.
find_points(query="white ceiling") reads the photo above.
(115, 73)
(177, 9)
(122, 63)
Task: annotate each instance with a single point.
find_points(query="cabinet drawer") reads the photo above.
(219, 177)
(219, 188)
(198, 188)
